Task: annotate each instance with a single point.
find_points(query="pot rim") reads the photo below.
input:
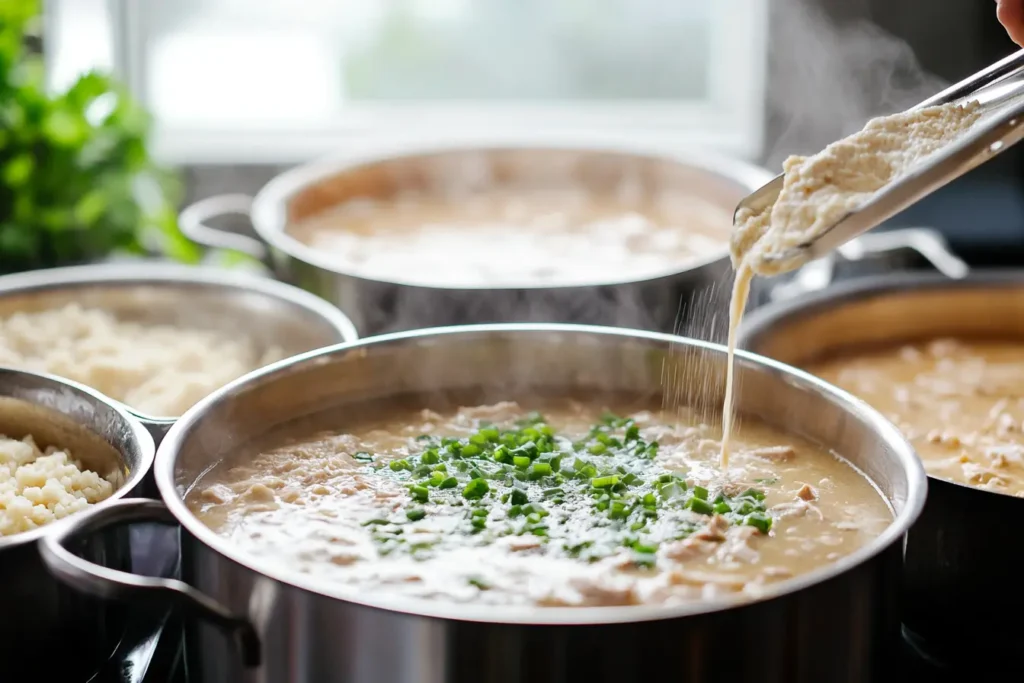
(761, 321)
(268, 212)
(164, 274)
(138, 433)
(911, 466)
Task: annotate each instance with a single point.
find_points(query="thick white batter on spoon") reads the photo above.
(819, 190)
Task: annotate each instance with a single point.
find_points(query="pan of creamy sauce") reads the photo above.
(509, 502)
(943, 360)
(572, 229)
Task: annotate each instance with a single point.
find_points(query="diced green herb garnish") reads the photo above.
(477, 488)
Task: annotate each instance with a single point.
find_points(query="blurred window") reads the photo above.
(286, 80)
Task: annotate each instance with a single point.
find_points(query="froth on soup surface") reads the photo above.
(569, 506)
(961, 403)
(518, 235)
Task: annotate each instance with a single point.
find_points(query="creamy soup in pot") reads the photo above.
(518, 236)
(961, 403)
(570, 506)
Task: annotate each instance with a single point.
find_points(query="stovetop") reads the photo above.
(152, 649)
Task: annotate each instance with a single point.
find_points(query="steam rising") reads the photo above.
(828, 77)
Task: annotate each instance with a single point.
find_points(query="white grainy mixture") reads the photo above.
(37, 488)
(819, 190)
(156, 369)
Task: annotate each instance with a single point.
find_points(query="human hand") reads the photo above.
(1011, 16)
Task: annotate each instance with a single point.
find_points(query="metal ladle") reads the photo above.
(999, 89)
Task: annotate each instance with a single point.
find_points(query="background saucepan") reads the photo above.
(834, 624)
(270, 313)
(962, 556)
(694, 290)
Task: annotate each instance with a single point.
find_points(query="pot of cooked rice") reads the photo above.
(64, 449)
(526, 504)
(157, 337)
(408, 235)
(944, 361)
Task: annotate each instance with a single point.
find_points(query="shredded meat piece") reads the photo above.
(774, 453)
(687, 549)
(737, 545)
(604, 592)
(714, 530)
(796, 508)
(806, 492)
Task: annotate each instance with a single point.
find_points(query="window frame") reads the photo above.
(731, 121)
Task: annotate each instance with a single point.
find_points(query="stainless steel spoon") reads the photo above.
(999, 89)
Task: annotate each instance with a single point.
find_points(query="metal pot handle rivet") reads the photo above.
(193, 223)
(111, 584)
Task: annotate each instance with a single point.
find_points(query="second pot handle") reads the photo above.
(111, 584)
(194, 217)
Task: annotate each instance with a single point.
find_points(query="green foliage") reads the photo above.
(76, 180)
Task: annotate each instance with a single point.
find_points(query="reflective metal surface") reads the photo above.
(835, 624)
(960, 556)
(377, 306)
(998, 89)
(64, 632)
(268, 312)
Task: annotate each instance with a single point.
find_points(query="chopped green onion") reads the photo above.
(521, 461)
(700, 492)
(519, 497)
(477, 488)
(449, 483)
(700, 506)
(415, 514)
(399, 465)
(419, 493)
(759, 520)
(539, 470)
(502, 455)
(605, 482)
(597, 448)
(430, 457)
(471, 450)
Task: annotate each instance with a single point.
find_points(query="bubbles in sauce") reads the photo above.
(961, 403)
(499, 505)
(518, 236)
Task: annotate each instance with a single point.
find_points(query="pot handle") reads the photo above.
(111, 584)
(928, 243)
(192, 222)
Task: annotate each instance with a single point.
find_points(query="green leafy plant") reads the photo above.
(77, 182)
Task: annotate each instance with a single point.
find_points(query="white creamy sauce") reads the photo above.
(819, 190)
(334, 507)
(518, 236)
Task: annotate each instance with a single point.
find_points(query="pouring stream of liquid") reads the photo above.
(737, 304)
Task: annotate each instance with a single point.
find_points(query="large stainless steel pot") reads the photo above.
(673, 301)
(268, 312)
(46, 627)
(962, 559)
(834, 624)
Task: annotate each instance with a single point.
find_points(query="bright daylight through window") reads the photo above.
(307, 77)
